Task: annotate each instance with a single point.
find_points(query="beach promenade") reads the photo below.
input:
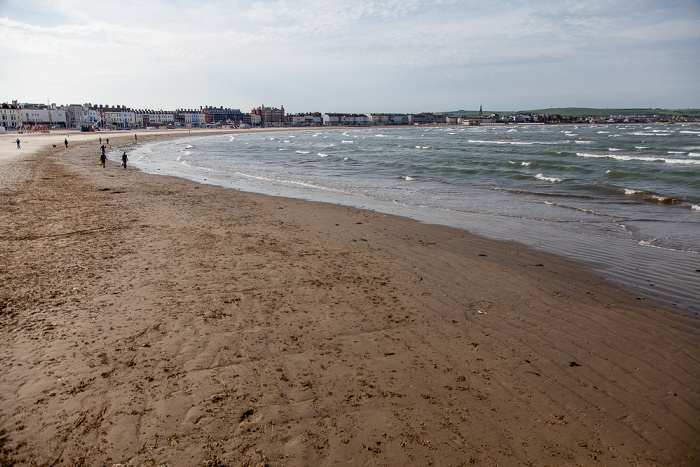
(150, 320)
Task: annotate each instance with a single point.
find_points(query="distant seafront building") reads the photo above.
(218, 116)
(10, 116)
(189, 118)
(267, 116)
(89, 117)
(40, 114)
(305, 119)
(341, 119)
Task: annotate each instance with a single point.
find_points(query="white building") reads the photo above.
(43, 115)
(301, 119)
(10, 116)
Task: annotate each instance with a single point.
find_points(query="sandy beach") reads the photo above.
(150, 320)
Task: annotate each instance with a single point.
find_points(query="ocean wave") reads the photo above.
(646, 133)
(639, 158)
(573, 208)
(695, 207)
(544, 177)
(321, 154)
(651, 197)
(525, 164)
(537, 193)
(407, 178)
(299, 151)
(347, 141)
(516, 143)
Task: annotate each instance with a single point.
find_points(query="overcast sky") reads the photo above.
(352, 55)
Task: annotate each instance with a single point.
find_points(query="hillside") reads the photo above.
(584, 112)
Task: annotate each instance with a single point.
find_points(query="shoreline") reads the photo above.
(663, 275)
(152, 317)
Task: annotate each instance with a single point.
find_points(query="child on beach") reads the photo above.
(103, 157)
(17, 143)
(124, 159)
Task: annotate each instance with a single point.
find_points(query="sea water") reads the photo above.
(623, 198)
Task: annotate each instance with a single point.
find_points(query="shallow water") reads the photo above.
(625, 198)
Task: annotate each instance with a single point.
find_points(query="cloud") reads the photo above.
(373, 50)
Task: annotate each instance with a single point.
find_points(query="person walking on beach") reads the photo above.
(17, 143)
(65, 141)
(100, 139)
(107, 141)
(124, 159)
(136, 137)
(103, 157)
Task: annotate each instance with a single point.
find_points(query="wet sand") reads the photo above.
(150, 320)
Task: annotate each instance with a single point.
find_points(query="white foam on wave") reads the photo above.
(407, 178)
(614, 149)
(582, 141)
(299, 151)
(525, 164)
(641, 147)
(646, 133)
(694, 154)
(347, 141)
(676, 152)
(516, 143)
(422, 147)
(640, 158)
(231, 138)
(695, 207)
(545, 178)
(629, 191)
(381, 136)
(690, 132)
(321, 154)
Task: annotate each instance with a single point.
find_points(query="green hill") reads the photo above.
(583, 112)
(592, 112)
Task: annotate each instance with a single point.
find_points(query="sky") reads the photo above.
(399, 56)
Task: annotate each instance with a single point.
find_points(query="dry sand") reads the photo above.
(149, 320)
